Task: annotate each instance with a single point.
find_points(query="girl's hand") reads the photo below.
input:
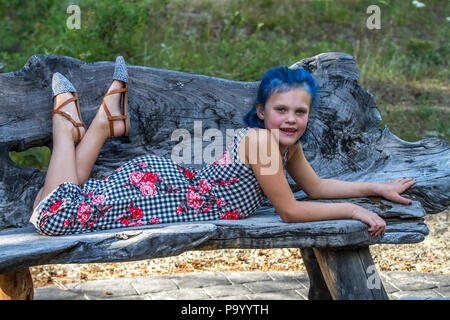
(391, 190)
(377, 226)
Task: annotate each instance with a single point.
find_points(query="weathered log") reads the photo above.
(23, 247)
(350, 274)
(345, 141)
(318, 289)
(16, 285)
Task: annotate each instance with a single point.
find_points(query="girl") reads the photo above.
(283, 107)
(152, 190)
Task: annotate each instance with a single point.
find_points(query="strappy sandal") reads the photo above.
(60, 84)
(120, 73)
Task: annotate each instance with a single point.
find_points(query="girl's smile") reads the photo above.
(286, 114)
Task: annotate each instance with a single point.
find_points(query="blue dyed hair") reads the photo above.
(281, 79)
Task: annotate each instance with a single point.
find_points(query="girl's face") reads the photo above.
(288, 112)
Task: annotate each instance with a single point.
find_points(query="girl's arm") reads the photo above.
(270, 175)
(316, 188)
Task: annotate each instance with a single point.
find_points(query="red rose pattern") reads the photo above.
(155, 221)
(204, 186)
(135, 177)
(99, 199)
(198, 200)
(136, 213)
(150, 177)
(148, 189)
(125, 221)
(189, 174)
(83, 212)
(231, 215)
(55, 207)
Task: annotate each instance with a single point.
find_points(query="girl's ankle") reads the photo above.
(63, 131)
(101, 123)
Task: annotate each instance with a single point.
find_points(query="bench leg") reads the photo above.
(16, 285)
(318, 289)
(350, 273)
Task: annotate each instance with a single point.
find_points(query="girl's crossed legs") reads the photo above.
(70, 164)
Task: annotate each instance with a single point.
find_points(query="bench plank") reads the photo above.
(23, 247)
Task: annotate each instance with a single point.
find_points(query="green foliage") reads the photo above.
(37, 157)
(415, 124)
(163, 33)
(424, 112)
(426, 52)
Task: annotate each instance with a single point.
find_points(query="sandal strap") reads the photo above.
(68, 116)
(112, 118)
(66, 102)
(76, 124)
(116, 91)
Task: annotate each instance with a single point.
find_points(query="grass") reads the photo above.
(404, 64)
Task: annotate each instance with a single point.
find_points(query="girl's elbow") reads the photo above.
(288, 209)
(285, 218)
(314, 191)
(288, 216)
(293, 213)
(313, 194)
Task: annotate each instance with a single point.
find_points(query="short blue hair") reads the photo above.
(281, 79)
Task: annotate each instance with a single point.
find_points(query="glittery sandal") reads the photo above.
(120, 73)
(60, 84)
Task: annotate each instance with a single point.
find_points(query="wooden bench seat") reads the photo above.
(344, 143)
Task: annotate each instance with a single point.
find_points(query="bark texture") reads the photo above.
(344, 143)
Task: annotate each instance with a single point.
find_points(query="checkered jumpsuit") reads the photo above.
(150, 190)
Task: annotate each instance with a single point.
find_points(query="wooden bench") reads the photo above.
(344, 143)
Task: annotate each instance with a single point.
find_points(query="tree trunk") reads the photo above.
(318, 289)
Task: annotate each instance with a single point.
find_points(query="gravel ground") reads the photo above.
(430, 256)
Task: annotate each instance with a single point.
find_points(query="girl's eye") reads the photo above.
(281, 109)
